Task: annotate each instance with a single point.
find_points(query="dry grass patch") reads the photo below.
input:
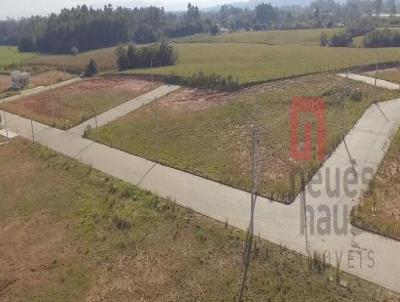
(209, 133)
(380, 206)
(69, 233)
(72, 104)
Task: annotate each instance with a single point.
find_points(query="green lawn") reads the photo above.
(70, 233)
(215, 142)
(380, 209)
(10, 54)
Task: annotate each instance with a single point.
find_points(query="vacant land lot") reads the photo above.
(75, 103)
(69, 233)
(210, 134)
(10, 55)
(380, 206)
(45, 78)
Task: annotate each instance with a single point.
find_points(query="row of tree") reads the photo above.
(132, 57)
(84, 28)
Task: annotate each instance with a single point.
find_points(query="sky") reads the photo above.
(24, 8)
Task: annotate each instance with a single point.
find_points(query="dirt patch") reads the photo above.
(29, 249)
(4, 83)
(72, 104)
(50, 77)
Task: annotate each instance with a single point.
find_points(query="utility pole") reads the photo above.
(250, 231)
(152, 75)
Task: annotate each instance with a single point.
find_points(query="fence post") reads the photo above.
(250, 231)
(158, 136)
(5, 124)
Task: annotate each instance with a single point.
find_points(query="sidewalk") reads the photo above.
(274, 221)
(371, 81)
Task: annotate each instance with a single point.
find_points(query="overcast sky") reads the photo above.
(23, 8)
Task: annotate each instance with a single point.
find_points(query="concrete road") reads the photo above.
(371, 81)
(124, 108)
(366, 255)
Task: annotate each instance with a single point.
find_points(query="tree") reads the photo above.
(324, 39)
(214, 30)
(26, 45)
(145, 34)
(266, 14)
(91, 68)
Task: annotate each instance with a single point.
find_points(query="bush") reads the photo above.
(341, 39)
(201, 80)
(382, 38)
(91, 68)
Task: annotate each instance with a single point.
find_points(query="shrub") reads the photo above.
(212, 81)
(382, 38)
(324, 39)
(341, 39)
(91, 68)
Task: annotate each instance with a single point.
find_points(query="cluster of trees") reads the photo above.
(382, 38)
(83, 28)
(132, 57)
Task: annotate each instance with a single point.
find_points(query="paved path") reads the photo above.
(124, 108)
(371, 81)
(39, 89)
(281, 224)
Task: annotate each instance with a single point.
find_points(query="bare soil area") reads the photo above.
(70, 105)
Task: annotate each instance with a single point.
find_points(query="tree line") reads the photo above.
(84, 28)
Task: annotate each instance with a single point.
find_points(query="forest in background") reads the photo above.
(83, 28)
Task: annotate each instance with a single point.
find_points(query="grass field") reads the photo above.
(380, 209)
(301, 36)
(391, 75)
(257, 62)
(105, 59)
(10, 55)
(69, 233)
(72, 104)
(247, 56)
(211, 136)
